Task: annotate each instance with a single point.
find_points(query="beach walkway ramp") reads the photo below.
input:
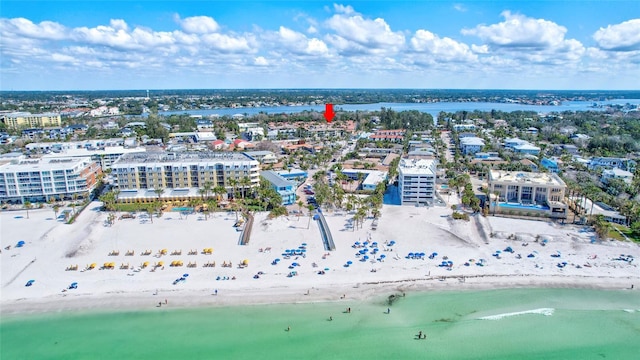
(327, 239)
(245, 235)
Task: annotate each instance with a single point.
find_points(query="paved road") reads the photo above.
(446, 138)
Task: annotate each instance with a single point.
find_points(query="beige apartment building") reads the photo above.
(527, 193)
(23, 120)
(182, 175)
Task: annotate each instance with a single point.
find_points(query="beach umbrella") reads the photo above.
(326, 269)
(357, 243)
(365, 257)
(349, 262)
(276, 259)
(304, 244)
(383, 256)
(288, 251)
(185, 275)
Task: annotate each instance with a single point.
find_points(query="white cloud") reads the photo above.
(619, 37)
(228, 43)
(527, 40)
(459, 7)
(120, 38)
(198, 24)
(260, 61)
(119, 24)
(441, 49)
(299, 44)
(355, 34)
(480, 49)
(343, 9)
(47, 30)
(519, 31)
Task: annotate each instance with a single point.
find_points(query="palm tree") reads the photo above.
(219, 191)
(73, 204)
(202, 192)
(601, 226)
(208, 185)
(56, 209)
(150, 209)
(234, 185)
(159, 192)
(246, 183)
(310, 208)
(27, 205)
(300, 204)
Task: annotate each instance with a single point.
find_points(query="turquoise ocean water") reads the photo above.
(519, 324)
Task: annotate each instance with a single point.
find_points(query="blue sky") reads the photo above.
(87, 45)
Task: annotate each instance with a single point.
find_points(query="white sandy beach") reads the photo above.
(52, 246)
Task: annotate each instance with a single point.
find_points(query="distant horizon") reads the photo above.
(405, 44)
(333, 89)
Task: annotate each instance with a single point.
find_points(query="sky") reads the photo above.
(209, 44)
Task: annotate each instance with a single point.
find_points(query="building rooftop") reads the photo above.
(417, 166)
(164, 157)
(472, 141)
(525, 177)
(275, 179)
(44, 164)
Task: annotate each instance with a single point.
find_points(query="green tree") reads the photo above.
(27, 205)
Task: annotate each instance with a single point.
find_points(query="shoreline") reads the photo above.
(358, 292)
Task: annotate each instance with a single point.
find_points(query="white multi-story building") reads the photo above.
(528, 193)
(180, 175)
(105, 157)
(38, 180)
(471, 145)
(417, 181)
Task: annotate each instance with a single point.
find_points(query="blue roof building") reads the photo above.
(284, 187)
(550, 164)
(294, 175)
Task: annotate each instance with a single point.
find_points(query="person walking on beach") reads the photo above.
(330, 318)
(165, 301)
(348, 310)
(388, 310)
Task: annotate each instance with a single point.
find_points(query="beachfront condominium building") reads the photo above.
(527, 193)
(38, 180)
(285, 188)
(180, 175)
(417, 181)
(21, 120)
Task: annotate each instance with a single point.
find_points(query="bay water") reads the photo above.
(490, 324)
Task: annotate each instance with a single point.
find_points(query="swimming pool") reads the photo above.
(182, 209)
(444, 186)
(523, 206)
